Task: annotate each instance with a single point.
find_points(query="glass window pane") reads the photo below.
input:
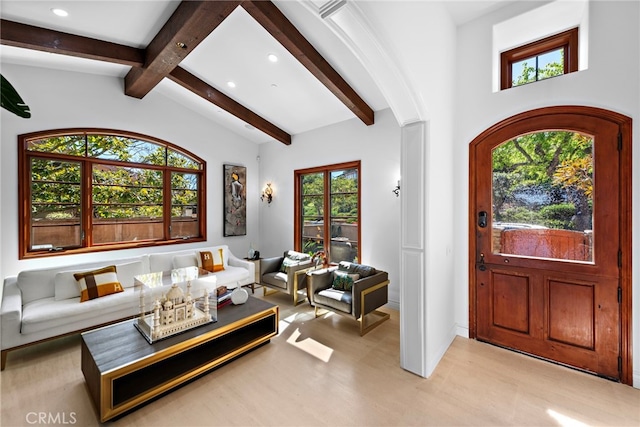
(127, 204)
(73, 145)
(179, 160)
(344, 216)
(551, 64)
(313, 184)
(312, 212)
(184, 205)
(55, 204)
(523, 72)
(125, 149)
(542, 196)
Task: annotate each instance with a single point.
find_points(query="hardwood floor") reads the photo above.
(319, 372)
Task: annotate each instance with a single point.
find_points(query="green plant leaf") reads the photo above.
(11, 100)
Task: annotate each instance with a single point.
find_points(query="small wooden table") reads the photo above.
(123, 370)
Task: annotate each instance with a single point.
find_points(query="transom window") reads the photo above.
(542, 59)
(328, 195)
(84, 191)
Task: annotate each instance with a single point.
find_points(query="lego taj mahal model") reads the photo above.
(172, 312)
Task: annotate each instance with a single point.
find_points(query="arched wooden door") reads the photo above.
(550, 235)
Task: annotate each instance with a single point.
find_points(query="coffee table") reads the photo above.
(122, 370)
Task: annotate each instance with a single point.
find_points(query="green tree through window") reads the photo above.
(329, 195)
(88, 190)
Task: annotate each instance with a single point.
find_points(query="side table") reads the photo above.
(256, 279)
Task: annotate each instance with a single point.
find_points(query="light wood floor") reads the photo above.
(320, 372)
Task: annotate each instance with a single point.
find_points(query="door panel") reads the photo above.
(571, 313)
(547, 274)
(511, 301)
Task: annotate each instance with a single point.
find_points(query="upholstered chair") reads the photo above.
(286, 274)
(350, 289)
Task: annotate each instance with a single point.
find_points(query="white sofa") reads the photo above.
(38, 305)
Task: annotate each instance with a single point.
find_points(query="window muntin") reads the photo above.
(329, 195)
(87, 191)
(542, 59)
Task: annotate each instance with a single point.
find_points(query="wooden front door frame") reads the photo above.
(624, 123)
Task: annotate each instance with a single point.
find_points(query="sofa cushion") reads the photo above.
(66, 285)
(46, 313)
(230, 276)
(98, 283)
(277, 278)
(36, 284)
(339, 300)
(184, 260)
(343, 281)
(163, 261)
(212, 261)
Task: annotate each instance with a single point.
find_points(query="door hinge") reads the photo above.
(619, 141)
(619, 258)
(619, 363)
(619, 295)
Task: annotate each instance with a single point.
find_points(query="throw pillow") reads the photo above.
(361, 269)
(212, 261)
(286, 263)
(98, 283)
(343, 281)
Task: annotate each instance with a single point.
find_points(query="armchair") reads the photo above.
(358, 296)
(285, 273)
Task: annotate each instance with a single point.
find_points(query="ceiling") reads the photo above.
(284, 94)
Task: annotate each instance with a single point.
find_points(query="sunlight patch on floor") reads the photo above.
(311, 346)
(564, 420)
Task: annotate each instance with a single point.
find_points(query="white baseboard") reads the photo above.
(394, 305)
(443, 349)
(462, 331)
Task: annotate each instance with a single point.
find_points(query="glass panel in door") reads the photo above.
(312, 212)
(542, 196)
(344, 216)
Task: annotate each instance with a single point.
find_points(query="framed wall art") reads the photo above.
(235, 200)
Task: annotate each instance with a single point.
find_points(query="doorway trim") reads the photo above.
(624, 123)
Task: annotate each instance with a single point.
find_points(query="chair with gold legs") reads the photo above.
(350, 289)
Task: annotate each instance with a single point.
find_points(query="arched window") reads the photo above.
(84, 190)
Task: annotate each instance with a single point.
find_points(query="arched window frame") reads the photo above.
(186, 228)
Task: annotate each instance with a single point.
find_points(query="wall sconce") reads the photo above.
(267, 193)
(396, 190)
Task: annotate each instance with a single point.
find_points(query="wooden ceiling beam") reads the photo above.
(274, 21)
(189, 25)
(204, 90)
(45, 40)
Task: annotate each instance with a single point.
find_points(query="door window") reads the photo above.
(542, 196)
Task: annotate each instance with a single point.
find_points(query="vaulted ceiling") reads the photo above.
(190, 51)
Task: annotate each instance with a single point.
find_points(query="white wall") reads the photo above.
(378, 149)
(610, 82)
(61, 99)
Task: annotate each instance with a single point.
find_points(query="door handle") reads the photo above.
(482, 267)
(482, 219)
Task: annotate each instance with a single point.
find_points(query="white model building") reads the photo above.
(175, 312)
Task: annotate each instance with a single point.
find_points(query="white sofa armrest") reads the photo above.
(238, 262)
(10, 312)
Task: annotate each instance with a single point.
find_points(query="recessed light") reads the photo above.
(60, 12)
(231, 84)
(274, 85)
(272, 57)
(248, 126)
